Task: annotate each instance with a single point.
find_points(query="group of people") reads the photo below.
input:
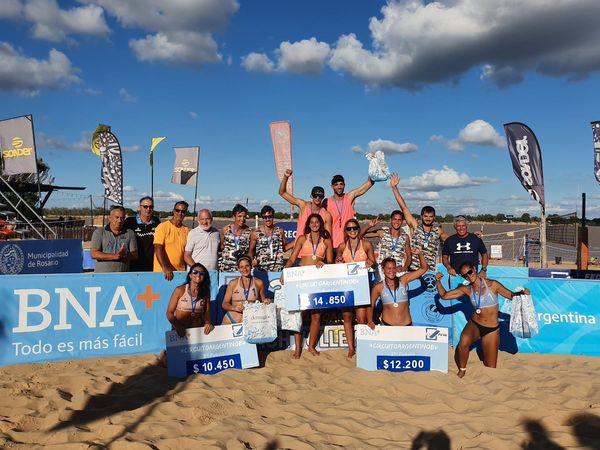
(327, 233)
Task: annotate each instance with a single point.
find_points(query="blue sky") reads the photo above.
(430, 84)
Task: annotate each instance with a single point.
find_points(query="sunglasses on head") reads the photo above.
(467, 274)
(198, 272)
(147, 206)
(318, 195)
(180, 211)
(352, 228)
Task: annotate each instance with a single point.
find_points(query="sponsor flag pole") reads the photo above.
(37, 172)
(153, 144)
(196, 188)
(526, 157)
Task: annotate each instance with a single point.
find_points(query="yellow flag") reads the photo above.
(155, 142)
(95, 147)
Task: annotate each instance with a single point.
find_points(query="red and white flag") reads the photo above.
(281, 135)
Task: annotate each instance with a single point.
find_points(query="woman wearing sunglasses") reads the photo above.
(270, 243)
(245, 288)
(484, 320)
(354, 249)
(314, 248)
(393, 292)
(189, 305)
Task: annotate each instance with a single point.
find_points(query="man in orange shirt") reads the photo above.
(170, 238)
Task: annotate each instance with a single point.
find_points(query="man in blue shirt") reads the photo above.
(464, 247)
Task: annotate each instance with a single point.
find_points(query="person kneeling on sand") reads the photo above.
(484, 320)
(245, 288)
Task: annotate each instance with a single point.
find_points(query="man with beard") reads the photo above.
(143, 225)
(341, 206)
(170, 238)
(203, 242)
(426, 235)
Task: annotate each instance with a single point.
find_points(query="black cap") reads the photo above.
(317, 190)
(337, 179)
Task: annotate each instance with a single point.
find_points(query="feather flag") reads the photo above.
(109, 149)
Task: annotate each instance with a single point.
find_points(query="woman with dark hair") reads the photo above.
(393, 292)
(237, 239)
(270, 243)
(189, 305)
(354, 249)
(483, 323)
(244, 288)
(314, 248)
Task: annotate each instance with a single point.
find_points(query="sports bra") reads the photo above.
(488, 300)
(307, 248)
(238, 294)
(359, 254)
(387, 295)
(186, 304)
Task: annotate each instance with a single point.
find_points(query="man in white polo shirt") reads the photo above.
(203, 242)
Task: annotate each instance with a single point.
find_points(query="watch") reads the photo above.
(484, 268)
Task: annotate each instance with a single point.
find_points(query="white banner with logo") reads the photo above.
(18, 146)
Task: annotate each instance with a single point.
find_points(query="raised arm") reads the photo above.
(410, 220)
(285, 194)
(407, 256)
(361, 190)
(415, 274)
(448, 295)
(504, 292)
(367, 233)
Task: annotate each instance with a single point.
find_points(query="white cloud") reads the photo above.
(193, 115)
(178, 47)
(130, 148)
(91, 91)
(10, 9)
(181, 30)
(303, 57)
(357, 149)
(167, 196)
(128, 188)
(45, 142)
(126, 96)
(418, 42)
(390, 147)
(257, 62)
(478, 132)
(426, 196)
(27, 75)
(434, 180)
(54, 24)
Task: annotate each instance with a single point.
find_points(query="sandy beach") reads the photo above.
(531, 401)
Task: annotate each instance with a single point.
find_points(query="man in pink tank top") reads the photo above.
(341, 206)
(306, 208)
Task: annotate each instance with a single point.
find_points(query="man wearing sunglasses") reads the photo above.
(464, 247)
(203, 242)
(315, 206)
(170, 238)
(341, 206)
(143, 225)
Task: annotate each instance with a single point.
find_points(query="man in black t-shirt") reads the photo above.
(464, 247)
(143, 225)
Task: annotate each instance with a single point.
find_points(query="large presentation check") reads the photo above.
(224, 348)
(401, 349)
(331, 286)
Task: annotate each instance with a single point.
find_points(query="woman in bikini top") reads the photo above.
(483, 324)
(245, 288)
(189, 305)
(393, 292)
(313, 248)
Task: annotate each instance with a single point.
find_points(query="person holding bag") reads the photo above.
(245, 288)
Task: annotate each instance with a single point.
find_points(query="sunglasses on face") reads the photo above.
(267, 217)
(352, 228)
(467, 274)
(198, 272)
(147, 206)
(321, 196)
(180, 211)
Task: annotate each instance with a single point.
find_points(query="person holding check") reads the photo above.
(245, 288)
(393, 292)
(314, 248)
(483, 324)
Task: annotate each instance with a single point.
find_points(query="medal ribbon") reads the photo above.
(193, 300)
(392, 293)
(314, 247)
(352, 253)
(340, 211)
(425, 234)
(246, 291)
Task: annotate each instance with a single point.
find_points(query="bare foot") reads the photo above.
(297, 354)
(461, 373)
(351, 353)
(314, 352)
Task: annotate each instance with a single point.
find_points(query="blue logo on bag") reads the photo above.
(352, 269)
(238, 329)
(431, 334)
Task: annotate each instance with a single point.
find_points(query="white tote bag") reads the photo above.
(286, 320)
(260, 323)
(523, 319)
(378, 168)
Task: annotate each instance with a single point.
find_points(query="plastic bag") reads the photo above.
(523, 319)
(286, 320)
(260, 323)
(378, 168)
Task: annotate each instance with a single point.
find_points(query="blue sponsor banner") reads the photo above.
(549, 273)
(41, 256)
(401, 349)
(198, 353)
(56, 317)
(290, 230)
(331, 286)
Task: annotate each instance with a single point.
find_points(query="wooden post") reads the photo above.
(583, 248)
